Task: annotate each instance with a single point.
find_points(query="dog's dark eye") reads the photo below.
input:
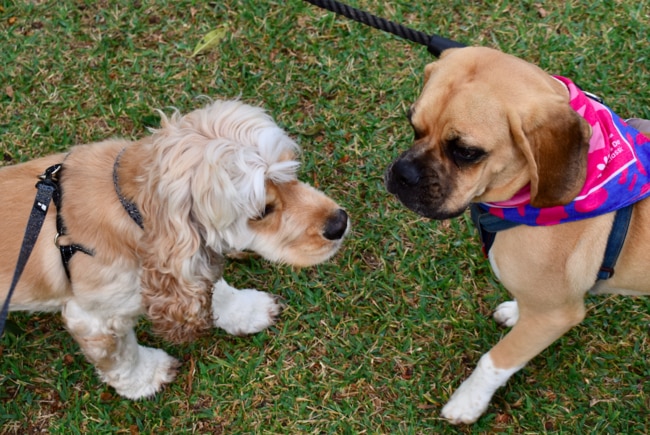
(268, 209)
(465, 155)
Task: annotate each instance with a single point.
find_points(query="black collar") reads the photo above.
(129, 206)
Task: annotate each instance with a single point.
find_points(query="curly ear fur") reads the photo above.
(205, 178)
(177, 269)
(555, 145)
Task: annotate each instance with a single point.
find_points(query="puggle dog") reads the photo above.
(493, 129)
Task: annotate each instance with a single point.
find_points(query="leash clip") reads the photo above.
(51, 173)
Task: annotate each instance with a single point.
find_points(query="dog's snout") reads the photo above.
(406, 172)
(336, 225)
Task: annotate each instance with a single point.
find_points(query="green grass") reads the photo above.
(375, 340)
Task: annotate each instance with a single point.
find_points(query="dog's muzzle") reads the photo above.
(419, 187)
(404, 173)
(404, 176)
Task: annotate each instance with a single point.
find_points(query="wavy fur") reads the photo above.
(202, 183)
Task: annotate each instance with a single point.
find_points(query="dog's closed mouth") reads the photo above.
(422, 194)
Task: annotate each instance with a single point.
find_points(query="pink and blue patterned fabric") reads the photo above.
(617, 170)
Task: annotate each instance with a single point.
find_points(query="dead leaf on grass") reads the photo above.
(543, 13)
(210, 40)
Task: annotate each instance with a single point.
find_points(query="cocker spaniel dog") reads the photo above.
(149, 223)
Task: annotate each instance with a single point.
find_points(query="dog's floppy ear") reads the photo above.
(432, 67)
(429, 69)
(178, 270)
(555, 142)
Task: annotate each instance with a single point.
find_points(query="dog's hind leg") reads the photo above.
(241, 312)
(109, 342)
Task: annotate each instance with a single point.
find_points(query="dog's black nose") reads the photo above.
(406, 172)
(336, 225)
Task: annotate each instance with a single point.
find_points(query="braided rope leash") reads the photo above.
(435, 44)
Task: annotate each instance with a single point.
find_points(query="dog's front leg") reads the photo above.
(109, 342)
(242, 312)
(533, 332)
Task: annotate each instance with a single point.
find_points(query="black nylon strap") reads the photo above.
(488, 225)
(46, 189)
(615, 242)
(67, 251)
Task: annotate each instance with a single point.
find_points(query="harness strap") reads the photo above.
(47, 187)
(47, 192)
(488, 225)
(615, 242)
(68, 251)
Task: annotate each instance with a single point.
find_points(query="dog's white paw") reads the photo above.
(466, 404)
(472, 398)
(154, 369)
(242, 312)
(507, 313)
(249, 312)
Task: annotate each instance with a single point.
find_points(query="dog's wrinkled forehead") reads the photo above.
(483, 70)
(472, 92)
(446, 116)
(438, 106)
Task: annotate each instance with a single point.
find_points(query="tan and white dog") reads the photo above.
(487, 125)
(219, 180)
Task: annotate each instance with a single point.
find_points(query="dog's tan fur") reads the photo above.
(520, 117)
(215, 181)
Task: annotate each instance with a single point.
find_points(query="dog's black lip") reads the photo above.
(436, 215)
(396, 188)
(428, 212)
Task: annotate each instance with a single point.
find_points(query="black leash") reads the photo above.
(47, 189)
(47, 192)
(435, 44)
